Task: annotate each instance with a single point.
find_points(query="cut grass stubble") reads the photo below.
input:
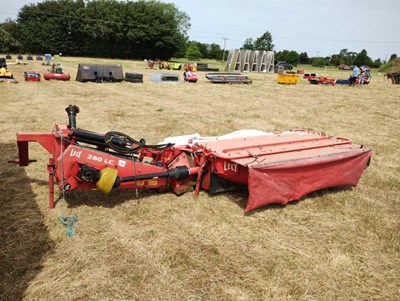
(337, 244)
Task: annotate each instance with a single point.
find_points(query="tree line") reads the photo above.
(345, 56)
(140, 29)
(108, 28)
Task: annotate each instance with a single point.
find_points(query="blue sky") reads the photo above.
(319, 27)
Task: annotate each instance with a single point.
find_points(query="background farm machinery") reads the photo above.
(5, 75)
(56, 73)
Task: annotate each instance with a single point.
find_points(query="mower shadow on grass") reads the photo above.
(95, 198)
(306, 198)
(240, 196)
(24, 238)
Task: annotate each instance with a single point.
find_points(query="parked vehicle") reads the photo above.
(286, 65)
(190, 76)
(344, 67)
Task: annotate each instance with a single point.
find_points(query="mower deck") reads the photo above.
(285, 167)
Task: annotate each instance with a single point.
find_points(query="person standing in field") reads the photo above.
(354, 76)
(362, 76)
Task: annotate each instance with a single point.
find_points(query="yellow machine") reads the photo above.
(163, 65)
(5, 75)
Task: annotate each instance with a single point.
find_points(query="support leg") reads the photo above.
(50, 169)
(199, 176)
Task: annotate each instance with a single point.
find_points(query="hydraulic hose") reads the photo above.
(129, 146)
(117, 141)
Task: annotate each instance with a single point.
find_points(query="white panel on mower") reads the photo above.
(194, 138)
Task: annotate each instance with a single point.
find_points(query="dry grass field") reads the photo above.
(335, 244)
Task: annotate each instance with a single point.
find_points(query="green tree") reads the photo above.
(209, 51)
(9, 37)
(393, 57)
(343, 57)
(52, 26)
(351, 56)
(249, 44)
(281, 55)
(293, 58)
(346, 57)
(215, 52)
(304, 59)
(335, 60)
(264, 42)
(318, 62)
(203, 48)
(193, 52)
(104, 28)
(362, 58)
(377, 63)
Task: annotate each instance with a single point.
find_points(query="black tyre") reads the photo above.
(134, 75)
(133, 80)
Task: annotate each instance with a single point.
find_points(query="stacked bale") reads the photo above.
(134, 77)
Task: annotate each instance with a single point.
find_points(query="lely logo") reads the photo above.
(229, 166)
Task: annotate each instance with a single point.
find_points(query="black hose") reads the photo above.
(113, 140)
(122, 143)
(119, 142)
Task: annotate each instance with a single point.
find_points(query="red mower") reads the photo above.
(276, 168)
